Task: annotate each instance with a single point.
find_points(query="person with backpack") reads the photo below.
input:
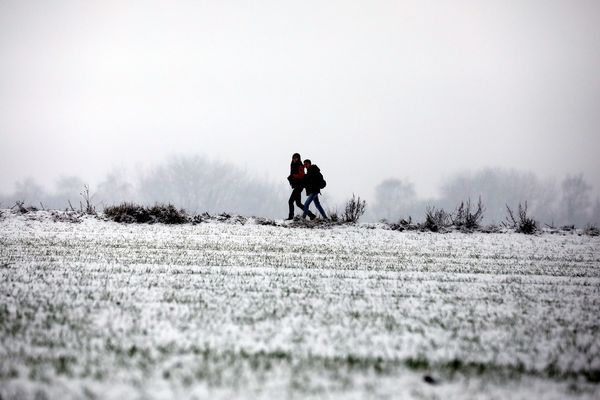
(313, 182)
(296, 179)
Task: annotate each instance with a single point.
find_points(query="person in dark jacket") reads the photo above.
(296, 180)
(312, 182)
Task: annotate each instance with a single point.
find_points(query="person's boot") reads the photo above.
(290, 217)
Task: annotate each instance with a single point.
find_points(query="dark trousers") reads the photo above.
(296, 197)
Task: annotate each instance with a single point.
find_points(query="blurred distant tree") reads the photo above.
(595, 218)
(68, 189)
(114, 189)
(198, 184)
(28, 191)
(498, 187)
(394, 199)
(576, 200)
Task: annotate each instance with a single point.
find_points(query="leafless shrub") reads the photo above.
(230, 218)
(66, 216)
(19, 206)
(264, 221)
(591, 230)
(522, 223)
(355, 208)
(490, 229)
(402, 225)
(436, 219)
(200, 218)
(468, 217)
(21, 209)
(86, 205)
(405, 222)
(333, 215)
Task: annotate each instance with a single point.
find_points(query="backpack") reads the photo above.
(322, 182)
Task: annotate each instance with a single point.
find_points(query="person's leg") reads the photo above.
(301, 206)
(299, 201)
(318, 205)
(310, 214)
(294, 198)
(298, 198)
(309, 200)
(291, 204)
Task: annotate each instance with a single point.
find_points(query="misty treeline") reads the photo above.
(198, 184)
(194, 183)
(567, 202)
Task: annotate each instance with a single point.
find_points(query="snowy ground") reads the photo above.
(219, 310)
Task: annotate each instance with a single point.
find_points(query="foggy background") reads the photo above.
(202, 103)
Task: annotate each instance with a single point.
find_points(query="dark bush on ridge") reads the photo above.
(522, 223)
(436, 219)
(21, 209)
(134, 213)
(333, 215)
(468, 217)
(127, 213)
(591, 230)
(167, 214)
(403, 225)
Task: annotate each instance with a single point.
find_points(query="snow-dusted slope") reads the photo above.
(227, 310)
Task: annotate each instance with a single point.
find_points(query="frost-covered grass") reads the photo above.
(102, 310)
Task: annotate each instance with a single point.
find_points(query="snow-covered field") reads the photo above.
(219, 310)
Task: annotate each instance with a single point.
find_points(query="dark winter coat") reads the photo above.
(296, 177)
(312, 180)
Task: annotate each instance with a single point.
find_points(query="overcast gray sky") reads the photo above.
(367, 89)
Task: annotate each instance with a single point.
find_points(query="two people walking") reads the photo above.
(311, 180)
